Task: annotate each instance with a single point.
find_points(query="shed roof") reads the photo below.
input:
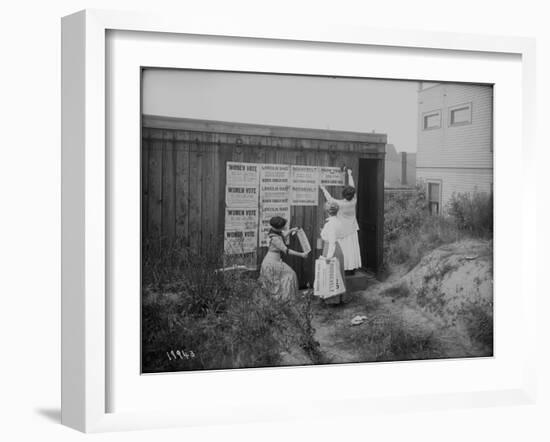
(163, 122)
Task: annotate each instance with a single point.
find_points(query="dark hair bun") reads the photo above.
(277, 222)
(348, 192)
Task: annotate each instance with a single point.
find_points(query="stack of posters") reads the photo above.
(274, 196)
(241, 214)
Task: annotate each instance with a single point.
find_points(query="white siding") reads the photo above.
(457, 180)
(465, 146)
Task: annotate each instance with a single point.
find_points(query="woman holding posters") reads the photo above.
(275, 275)
(331, 234)
(349, 241)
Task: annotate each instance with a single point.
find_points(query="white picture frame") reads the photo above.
(86, 221)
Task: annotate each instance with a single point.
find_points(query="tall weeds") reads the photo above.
(216, 319)
(410, 231)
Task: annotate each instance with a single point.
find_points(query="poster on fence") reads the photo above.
(269, 210)
(242, 174)
(274, 183)
(241, 196)
(240, 241)
(274, 174)
(241, 218)
(241, 185)
(248, 260)
(331, 176)
(304, 185)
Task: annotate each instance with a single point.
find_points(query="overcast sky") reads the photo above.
(385, 106)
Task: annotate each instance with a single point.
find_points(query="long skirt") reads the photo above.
(340, 255)
(278, 278)
(352, 253)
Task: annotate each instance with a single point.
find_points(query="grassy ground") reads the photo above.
(435, 301)
(197, 318)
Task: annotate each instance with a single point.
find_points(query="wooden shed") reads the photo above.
(184, 175)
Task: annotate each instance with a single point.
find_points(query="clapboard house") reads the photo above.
(183, 182)
(455, 140)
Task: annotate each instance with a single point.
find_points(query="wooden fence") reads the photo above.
(184, 174)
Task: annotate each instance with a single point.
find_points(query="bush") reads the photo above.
(404, 212)
(410, 231)
(472, 212)
(215, 319)
(478, 321)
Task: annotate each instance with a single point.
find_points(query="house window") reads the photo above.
(434, 198)
(431, 120)
(461, 114)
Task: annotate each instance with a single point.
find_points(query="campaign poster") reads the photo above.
(241, 196)
(304, 185)
(241, 218)
(331, 176)
(242, 174)
(268, 211)
(245, 259)
(274, 183)
(240, 241)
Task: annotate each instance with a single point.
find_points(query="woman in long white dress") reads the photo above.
(331, 234)
(349, 241)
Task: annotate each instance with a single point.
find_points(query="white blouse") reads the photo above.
(331, 232)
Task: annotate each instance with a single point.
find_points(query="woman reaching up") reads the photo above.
(349, 241)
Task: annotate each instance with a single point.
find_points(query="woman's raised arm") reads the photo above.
(350, 179)
(328, 197)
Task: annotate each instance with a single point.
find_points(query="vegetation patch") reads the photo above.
(217, 319)
(387, 337)
(397, 291)
(478, 321)
(410, 232)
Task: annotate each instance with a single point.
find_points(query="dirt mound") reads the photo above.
(453, 279)
(442, 308)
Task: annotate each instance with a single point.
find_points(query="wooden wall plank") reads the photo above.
(195, 192)
(145, 146)
(309, 224)
(208, 211)
(155, 185)
(225, 155)
(182, 187)
(168, 186)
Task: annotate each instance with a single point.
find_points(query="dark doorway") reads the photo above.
(370, 212)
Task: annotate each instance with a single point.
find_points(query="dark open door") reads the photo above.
(370, 212)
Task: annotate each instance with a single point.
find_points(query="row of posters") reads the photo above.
(241, 214)
(274, 196)
(255, 193)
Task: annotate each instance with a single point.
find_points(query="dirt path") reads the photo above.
(404, 323)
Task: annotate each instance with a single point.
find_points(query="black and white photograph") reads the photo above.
(235, 221)
(297, 220)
